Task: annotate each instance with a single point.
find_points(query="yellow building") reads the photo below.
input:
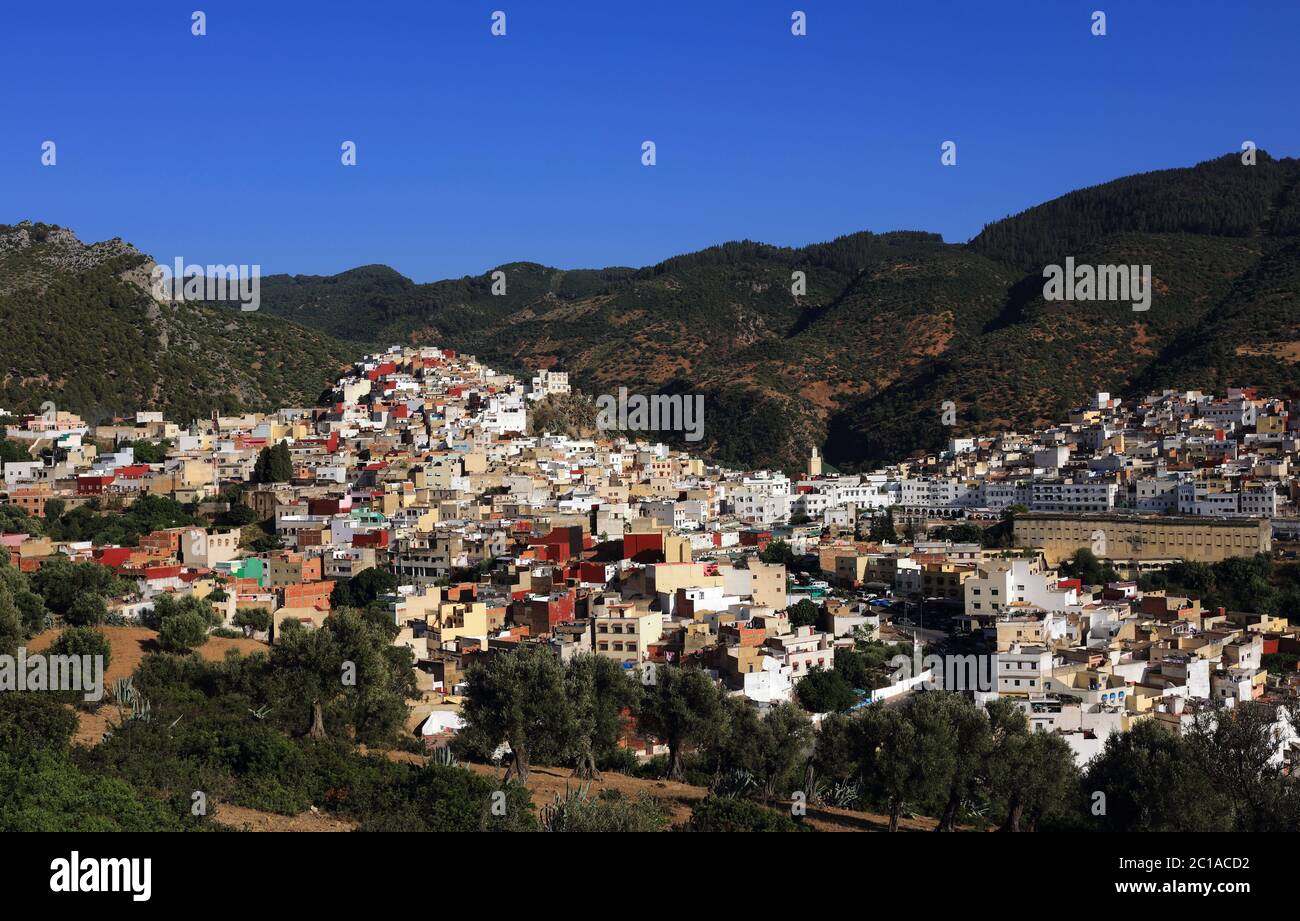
(454, 620)
(677, 549)
(669, 577)
(767, 584)
(851, 569)
(1020, 629)
(625, 633)
(1142, 537)
(944, 580)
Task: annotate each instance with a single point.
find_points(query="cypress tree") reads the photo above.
(262, 469)
(280, 468)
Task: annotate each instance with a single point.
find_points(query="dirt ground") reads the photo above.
(92, 726)
(131, 644)
(545, 783)
(245, 819)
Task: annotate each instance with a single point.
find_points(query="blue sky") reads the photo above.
(475, 150)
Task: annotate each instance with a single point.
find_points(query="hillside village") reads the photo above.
(1128, 564)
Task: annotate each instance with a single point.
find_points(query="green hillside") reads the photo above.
(82, 332)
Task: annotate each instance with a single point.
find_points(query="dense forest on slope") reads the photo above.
(82, 331)
(858, 360)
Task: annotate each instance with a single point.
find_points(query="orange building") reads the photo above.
(31, 499)
(308, 595)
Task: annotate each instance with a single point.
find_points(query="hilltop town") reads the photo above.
(1129, 565)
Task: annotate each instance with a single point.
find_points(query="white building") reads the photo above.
(1068, 496)
(546, 383)
(1000, 583)
(1022, 670)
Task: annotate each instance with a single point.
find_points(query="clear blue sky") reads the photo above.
(475, 150)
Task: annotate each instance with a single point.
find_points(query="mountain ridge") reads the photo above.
(893, 324)
(888, 327)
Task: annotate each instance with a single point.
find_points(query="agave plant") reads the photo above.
(733, 784)
(126, 696)
(444, 756)
(124, 690)
(141, 709)
(844, 794)
(554, 815)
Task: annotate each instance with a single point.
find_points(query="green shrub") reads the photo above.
(718, 813)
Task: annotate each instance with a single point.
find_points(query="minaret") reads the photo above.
(814, 463)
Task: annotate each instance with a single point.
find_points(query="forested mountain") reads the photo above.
(82, 331)
(891, 325)
(859, 362)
